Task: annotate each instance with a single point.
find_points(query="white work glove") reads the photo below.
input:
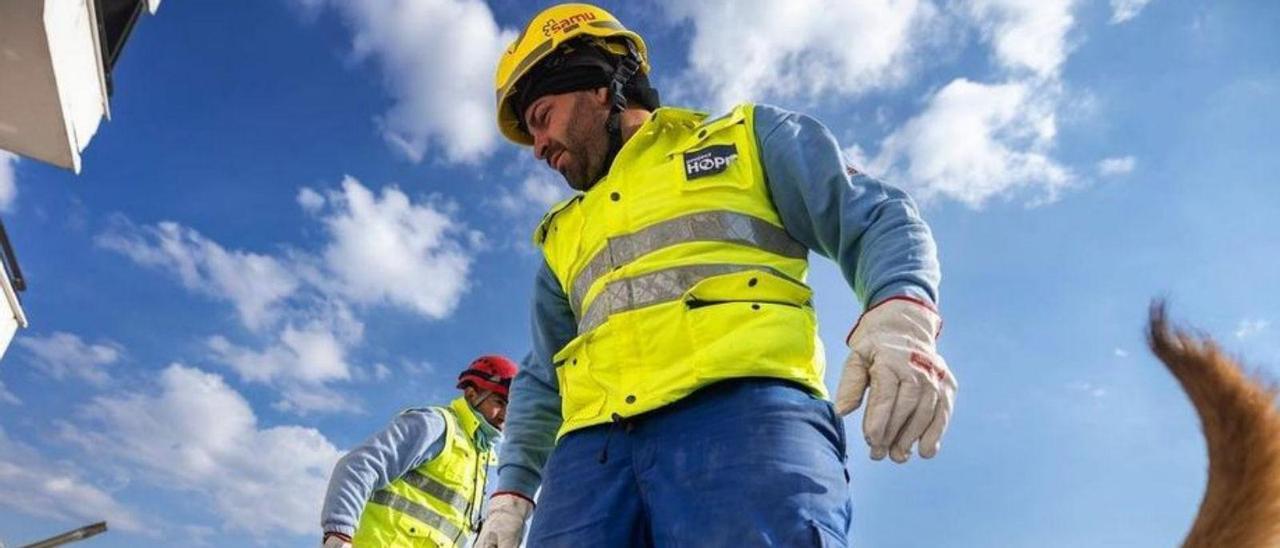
(912, 391)
(336, 540)
(504, 521)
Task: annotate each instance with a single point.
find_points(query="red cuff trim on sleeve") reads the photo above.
(907, 298)
(345, 537)
(513, 493)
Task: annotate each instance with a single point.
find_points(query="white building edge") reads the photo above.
(12, 317)
(56, 58)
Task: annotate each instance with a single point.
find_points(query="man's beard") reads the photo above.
(588, 143)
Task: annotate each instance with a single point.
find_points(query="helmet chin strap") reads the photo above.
(627, 67)
(483, 396)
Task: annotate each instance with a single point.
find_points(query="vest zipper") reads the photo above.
(480, 483)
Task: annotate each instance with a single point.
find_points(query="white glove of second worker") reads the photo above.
(504, 521)
(892, 352)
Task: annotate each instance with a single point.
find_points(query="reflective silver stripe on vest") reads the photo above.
(656, 287)
(440, 491)
(706, 226)
(416, 511)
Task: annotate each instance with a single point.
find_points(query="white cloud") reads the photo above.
(7, 397)
(1087, 388)
(975, 141)
(421, 369)
(305, 399)
(1250, 327)
(533, 190)
(63, 355)
(1110, 167)
(437, 58)
(8, 180)
(35, 485)
(536, 194)
(299, 362)
(1124, 10)
(196, 434)
(254, 283)
(309, 354)
(1121, 353)
(310, 200)
(309, 8)
(385, 248)
(308, 333)
(1027, 35)
(799, 49)
(381, 249)
(972, 142)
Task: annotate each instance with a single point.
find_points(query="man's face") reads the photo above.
(568, 133)
(493, 407)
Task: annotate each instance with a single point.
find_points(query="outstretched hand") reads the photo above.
(893, 356)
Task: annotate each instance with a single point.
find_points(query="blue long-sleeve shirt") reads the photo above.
(414, 437)
(872, 230)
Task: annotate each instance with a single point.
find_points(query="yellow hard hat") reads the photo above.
(546, 32)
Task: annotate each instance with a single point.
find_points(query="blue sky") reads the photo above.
(300, 219)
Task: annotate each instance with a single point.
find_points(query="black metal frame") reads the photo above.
(116, 19)
(11, 261)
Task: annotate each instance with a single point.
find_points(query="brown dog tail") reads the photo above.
(1241, 423)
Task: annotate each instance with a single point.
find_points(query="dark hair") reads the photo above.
(578, 65)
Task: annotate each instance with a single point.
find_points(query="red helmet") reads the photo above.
(492, 373)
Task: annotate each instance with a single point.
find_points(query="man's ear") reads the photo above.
(601, 95)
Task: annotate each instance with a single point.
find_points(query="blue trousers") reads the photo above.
(750, 462)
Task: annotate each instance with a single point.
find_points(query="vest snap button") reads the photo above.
(751, 282)
(755, 307)
(702, 134)
(631, 398)
(615, 196)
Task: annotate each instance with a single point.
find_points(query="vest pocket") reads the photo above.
(753, 324)
(581, 397)
(414, 533)
(457, 478)
(747, 286)
(419, 533)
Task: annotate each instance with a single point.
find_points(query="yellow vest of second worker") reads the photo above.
(679, 273)
(433, 504)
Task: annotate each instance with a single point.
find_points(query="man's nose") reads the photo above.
(539, 145)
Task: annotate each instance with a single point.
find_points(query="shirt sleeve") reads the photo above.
(871, 229)
(413, 438)
(533, 416)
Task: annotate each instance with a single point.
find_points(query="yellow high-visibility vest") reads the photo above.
(679, 273)
(434, 504)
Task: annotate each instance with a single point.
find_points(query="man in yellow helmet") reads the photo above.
(420, 482)
(675, 394)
